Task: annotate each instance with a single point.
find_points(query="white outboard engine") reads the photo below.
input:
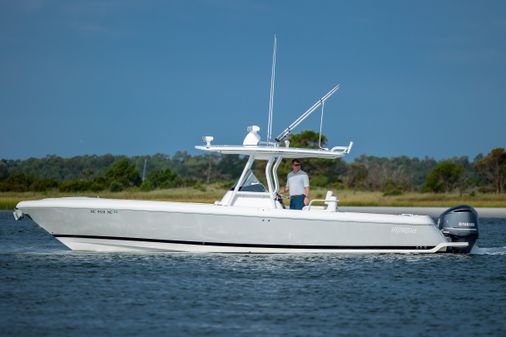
(460, 224)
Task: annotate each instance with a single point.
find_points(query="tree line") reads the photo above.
(485, 173)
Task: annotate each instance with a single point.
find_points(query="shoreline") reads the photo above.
(487, 205)
(483, 212)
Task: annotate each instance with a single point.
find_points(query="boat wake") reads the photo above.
(488, 250)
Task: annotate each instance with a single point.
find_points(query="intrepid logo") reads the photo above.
(466, 224)
(403, 230)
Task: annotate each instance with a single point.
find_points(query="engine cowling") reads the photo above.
(460, 224)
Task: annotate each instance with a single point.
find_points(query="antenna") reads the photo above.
(306, 114)
(271, 94)
(144, 169)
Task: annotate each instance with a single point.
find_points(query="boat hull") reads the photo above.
(125, 225)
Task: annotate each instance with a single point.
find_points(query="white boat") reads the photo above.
(250, 218)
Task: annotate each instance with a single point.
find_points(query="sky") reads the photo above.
(418, 78)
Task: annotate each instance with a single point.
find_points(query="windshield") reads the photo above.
(251, 184)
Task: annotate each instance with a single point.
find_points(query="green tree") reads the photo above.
(307, 139)
(357, 176)
(444, 178)
(4, 170)
(42, 185)
(122, 174)
(74, 185)
(392, 187)
(98, 184)
(230, 166)
(403, 172)
(162, 179)
(493, 167)
(18, 182)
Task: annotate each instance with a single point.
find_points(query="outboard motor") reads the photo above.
(460, 224)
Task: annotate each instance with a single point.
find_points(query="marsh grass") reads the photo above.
(211, 193)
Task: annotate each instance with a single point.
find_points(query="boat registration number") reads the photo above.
(104, 211)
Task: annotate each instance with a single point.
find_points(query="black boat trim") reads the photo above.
(246, 245)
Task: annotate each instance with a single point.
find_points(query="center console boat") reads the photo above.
(250, 218)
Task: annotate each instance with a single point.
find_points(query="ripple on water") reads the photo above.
(48, 290)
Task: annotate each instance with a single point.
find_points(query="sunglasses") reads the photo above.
(295, 164)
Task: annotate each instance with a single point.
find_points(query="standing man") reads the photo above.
(297, 183)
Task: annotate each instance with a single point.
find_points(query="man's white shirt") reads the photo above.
(296, 182)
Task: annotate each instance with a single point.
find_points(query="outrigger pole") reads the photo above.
(282, 136)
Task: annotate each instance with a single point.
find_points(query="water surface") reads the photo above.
(47, 290)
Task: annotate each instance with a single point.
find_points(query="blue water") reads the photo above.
(47, 290)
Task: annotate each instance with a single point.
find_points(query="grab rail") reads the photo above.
(319, 200)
